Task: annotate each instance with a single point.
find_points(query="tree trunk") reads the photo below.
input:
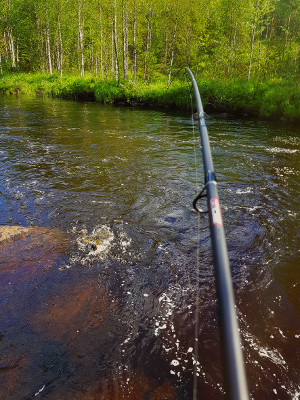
(101, 42)
(40, 44)
(259, 54)
(233, 52)
(11, 48)
(112, 51)
(10, 37)
(166, 52)
(60, 47)
(286, 38)
(125, 41)
(48, 49)
(134, 42)
(252, 41)
(148, 41)
(80, 38)
(269, 45)
(116, 42)
(172, 53)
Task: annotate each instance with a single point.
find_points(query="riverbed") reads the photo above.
(113, 315)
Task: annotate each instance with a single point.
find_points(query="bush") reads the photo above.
(267, 99)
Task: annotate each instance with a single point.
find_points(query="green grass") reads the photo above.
(274, 99)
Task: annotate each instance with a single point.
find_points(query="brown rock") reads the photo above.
(26, 252)
(72, 312)
(131, 385)
(164, 392)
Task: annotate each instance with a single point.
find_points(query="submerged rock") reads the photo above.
(134, 385)
(71, 313)
(26, 252)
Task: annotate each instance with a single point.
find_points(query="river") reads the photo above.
(116, 321)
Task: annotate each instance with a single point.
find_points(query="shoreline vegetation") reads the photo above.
(244, 54)
(274, 99)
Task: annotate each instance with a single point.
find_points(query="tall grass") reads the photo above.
(274, 99)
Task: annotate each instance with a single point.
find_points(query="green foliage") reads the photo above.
(108, 92)
(275, 99)
(218, 39)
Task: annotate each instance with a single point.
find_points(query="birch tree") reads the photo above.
(119, 38)
(172, 52)
(47, 40)
(60, 42)
(134, 42)
(80, 37)
(125, 39)
(115, 40)
(9, 33)
(148, 40)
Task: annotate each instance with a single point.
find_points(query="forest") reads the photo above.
(150, 40)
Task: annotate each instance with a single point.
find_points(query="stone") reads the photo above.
(72, 313)
(26, 252)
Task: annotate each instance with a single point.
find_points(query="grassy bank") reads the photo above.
(274, 99)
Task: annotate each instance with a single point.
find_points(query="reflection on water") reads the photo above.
(113, 316)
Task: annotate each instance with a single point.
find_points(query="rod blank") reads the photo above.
(233, 364)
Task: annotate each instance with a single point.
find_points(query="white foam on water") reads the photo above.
(101, 237)
(244, 191)
(178, 353)
(93, 246)
(293, 140)
(97, 244)
(281, 150)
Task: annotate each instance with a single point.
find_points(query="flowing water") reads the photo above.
(112, 316)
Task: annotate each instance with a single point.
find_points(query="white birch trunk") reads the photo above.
(112, 50)
(101, 42)
(11, 48)
(116, 42)
(166, 51)
(125, 41)
(40, 47)
(172, 53)
(233, 51)
(286, 37)
(80, 38)
(259, 54)
(147, 42)
(252, 41)
(60, 49)
(48, 49)
(134, 42)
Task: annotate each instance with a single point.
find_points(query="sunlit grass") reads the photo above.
(267, 99)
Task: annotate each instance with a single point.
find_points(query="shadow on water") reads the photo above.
(100, 301)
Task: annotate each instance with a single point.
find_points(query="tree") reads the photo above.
(80, 36)
(145, 38)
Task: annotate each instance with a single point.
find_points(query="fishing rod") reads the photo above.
(233, 364)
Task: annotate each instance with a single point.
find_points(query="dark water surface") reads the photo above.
(118, 322)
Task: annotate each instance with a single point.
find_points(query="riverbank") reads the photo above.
(273, 99)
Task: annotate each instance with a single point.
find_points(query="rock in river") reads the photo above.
(26, 252)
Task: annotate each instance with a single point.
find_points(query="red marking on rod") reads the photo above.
(215, 212)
